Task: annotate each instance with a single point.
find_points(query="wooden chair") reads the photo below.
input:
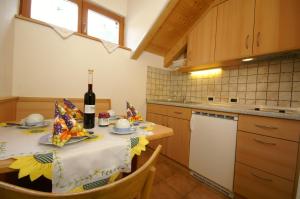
(136, 185)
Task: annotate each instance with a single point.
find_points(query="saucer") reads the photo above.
(47, 139)
(115, 117)
(137, 123)
(123, 131)
(40, 125)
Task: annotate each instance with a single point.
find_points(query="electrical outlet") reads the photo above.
(210, 99)
(233, 100)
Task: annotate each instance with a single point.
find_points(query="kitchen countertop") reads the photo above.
(233, 108)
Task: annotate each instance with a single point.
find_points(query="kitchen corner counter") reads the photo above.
(230, 108)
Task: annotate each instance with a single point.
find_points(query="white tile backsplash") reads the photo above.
(272, 83)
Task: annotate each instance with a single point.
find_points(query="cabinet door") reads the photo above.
(253, 183)
(201, 40)
(235, 24)
(161, 120)
(277, 26)
(178, 147)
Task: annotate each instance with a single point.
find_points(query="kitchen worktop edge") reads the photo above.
(238, 110)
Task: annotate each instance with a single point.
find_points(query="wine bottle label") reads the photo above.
(89, 108)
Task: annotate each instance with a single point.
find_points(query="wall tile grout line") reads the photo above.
(271, 83)
(292, 90)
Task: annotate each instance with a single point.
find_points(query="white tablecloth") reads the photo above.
(75, 165)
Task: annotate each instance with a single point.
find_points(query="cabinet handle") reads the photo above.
(247, 41)
(266, 127)
(258, 39)
(262, 178)
(263, 142)
(178, 113)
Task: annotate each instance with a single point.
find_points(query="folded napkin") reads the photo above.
(132, 114)
(65, 127)
(73, 110)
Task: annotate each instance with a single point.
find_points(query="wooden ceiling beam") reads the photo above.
(176, 50)
(154, 29)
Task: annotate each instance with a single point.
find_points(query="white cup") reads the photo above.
(34, 119)
(122, 124)
(111, 113)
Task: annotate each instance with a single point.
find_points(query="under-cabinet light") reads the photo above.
(207, 73)
(247, 59)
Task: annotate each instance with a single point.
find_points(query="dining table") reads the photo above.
(78, 166)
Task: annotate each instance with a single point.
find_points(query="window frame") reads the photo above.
(83, 7)
(92, 6)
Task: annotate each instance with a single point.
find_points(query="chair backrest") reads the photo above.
(136, 185)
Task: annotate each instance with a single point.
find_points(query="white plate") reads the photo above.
(116, 117)
(47, 139)
(130, 131)
(44, 124)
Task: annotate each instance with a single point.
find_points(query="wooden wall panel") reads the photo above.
(8, 109)
(45, 106)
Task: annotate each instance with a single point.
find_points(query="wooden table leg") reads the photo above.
(134, 163)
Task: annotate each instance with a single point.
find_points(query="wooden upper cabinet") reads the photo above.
(235, 24)
(201, 40)
(277, 26)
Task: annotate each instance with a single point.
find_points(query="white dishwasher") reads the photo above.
(212, 149)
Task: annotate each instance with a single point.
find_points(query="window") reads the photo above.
(77, 15)
(57, 12)
(101, 26)
(101, 23)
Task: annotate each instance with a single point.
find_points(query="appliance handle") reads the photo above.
(216, 115)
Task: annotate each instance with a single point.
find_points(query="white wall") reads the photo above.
(141, 14)
(117, 6)
(47, 66)
(8, 8)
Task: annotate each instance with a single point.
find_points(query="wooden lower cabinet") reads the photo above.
(161, 120)
(178, 147)
(157, 119)
(272, 155)
(272, 127)
(266, 158)
(256, 184)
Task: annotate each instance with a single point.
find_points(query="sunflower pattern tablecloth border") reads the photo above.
(38, 165)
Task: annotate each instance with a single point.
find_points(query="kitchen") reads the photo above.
(256, 91)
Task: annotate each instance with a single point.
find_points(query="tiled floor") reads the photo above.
(173, 181)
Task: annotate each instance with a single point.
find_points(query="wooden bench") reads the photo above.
(17, 108)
